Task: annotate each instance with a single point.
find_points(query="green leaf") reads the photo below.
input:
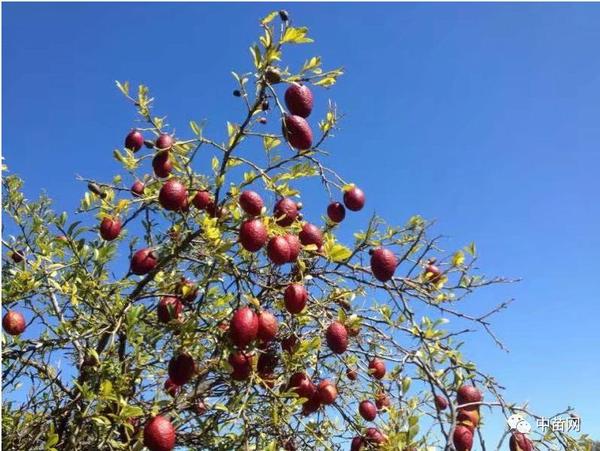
(296, 35)
(123, 87)
(270, 142)
(267, 19)
(338, 253)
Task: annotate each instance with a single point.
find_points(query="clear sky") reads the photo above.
(485, 117)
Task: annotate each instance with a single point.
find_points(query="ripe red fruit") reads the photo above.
(520, 442)
(374, 437)
(311, 406)
(311, 234)
(327, 392)
(295, 297)
(202, 199)
(336, 212)
(267, 361)
(267, 326)
(367, 410)
(137, 189)
(278, 250)
(171, 388)
(382, 400)
(354, 199)
(337, 337)
(299, 100)
(356, 444)
(297, 132)
(294, 243)
(173, 195)
(285, 211)
(13, 323)
(441, 403)
(134, 140)
(463, 438)
(468, 418)
(110, 228)
(433, 273)
(251, 203)
(377, 368)
(182, 369)
(187, 290)
(351, 374)
(213, 210)
(169, 308)
(383, 264)
(17, 256)
(243, 327)
(289, 344)
(164, 142)
(159, 434)
(253, 234)
(241, 363)
(143, 261)
(162, 165)
(302, 385)
(467, 394)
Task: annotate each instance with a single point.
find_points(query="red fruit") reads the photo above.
(337, 337)
(202, 199)
(253, 234)
(241, 363)
(134, 140)
(295, 297)
(441, 403)
(327, 392)
(169, 308)
(382, 400)
(162, 165)
(434, 273)
(463, 438)
(311, 234)
(294, 243)
(159, 434)
(336, 212)
(110, 228)
(354, 199)
(374, 437)
(187, 290)
(137, 189)
(17, 256)
(383, 264)
(164, 142)
(173, 195)
(467, 394)
(143, 261)
(278, 250)
(181, 369)
(302, 385)
(377, 368)
(351, 374)
(285, 212)
(367, 410)
(357, 444)
(297, 132)
(289, 344)
(519, 442)
(468, 418)
(213, 210)
(251, 203)
(310, 406)
(200, 407)
(13, 323)
(243, 327)
(267, 326)
(299, 100)
(171, 388)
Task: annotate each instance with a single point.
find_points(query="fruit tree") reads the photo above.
(240, 321)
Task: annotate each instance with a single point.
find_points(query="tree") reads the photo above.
(240, 324)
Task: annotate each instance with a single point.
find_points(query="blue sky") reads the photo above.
(484, 117)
